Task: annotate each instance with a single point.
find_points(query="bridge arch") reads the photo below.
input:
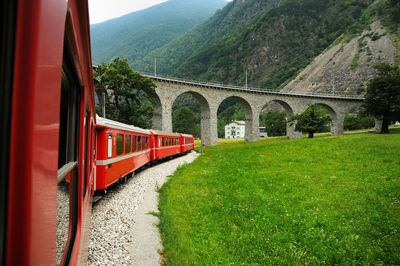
(336, 126)
(285, 105)
(250, 133)
(205, 116)
(274, 104)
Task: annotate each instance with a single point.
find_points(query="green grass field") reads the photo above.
(328, 200)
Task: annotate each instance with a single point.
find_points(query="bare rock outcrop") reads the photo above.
(345, 67)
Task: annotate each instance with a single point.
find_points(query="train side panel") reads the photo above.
(120, 153)
(166, 145)
(43, 29)
(187, 142)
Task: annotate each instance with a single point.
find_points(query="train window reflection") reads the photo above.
(67, 193)
(120, 144)
(127, 143)
(133, 143)
(109, 145)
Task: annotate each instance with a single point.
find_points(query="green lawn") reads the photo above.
(328, 200)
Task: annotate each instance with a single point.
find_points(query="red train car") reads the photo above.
(121, 149)
(165, 144)
(187, 141)
(47, 132)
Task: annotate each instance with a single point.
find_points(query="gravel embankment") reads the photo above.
(113, 218)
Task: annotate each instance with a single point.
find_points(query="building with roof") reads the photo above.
(235, 130)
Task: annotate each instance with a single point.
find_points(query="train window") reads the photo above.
(133, 143)
(120, 144)
(68, 150)
(8, 17)
(147, 142)
(109, 146)
(127, 143)
(139, 143)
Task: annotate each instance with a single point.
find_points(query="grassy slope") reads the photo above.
(325, 200)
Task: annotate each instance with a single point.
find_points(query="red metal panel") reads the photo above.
(34, 133)
(31, 235)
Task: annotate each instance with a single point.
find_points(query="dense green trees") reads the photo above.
(313, 119)
(274, 123)
(128, 99)
(185, 121)
(383, 95)
(361, 120)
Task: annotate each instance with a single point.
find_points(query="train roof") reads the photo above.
(104, 122)
(187, 135)
(157, 132)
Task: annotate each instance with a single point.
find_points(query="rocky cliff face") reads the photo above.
(345, 67)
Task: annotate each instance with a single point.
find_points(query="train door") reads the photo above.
(8, 14)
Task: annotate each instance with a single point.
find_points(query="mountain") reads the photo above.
(203, 36)
(134, 35)
(274, 40)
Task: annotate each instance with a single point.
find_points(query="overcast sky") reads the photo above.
(101, 10)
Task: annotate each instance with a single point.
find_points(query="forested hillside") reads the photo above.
(275, 44)
(134, 35)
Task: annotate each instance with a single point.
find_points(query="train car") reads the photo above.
(47, 122)
(165, 144)
(187, 142)
(121, 149)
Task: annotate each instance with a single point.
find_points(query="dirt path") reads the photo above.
(146, 242)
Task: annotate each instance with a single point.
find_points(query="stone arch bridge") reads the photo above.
(210, 96)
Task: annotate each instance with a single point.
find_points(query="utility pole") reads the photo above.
(155, 66)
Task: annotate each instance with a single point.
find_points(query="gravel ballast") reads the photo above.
(122, 232)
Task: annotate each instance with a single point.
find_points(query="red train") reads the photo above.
(48, 134)
(121, 149)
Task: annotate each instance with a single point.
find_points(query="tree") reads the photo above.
(185, 121)
(128, 93)
(361, 120)
(382, 99)
(275, 123)
(312, 120)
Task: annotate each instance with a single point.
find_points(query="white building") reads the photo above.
(235, 130)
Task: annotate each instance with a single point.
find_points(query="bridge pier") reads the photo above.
(291, 132)
(209, 128)
(157, 116)
(252, 127)
(337, 127)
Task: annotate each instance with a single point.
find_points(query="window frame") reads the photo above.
(133, 141)
(8, 20)
(127, 149)
(117, 146)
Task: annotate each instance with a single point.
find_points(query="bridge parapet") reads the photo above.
(217, 85)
